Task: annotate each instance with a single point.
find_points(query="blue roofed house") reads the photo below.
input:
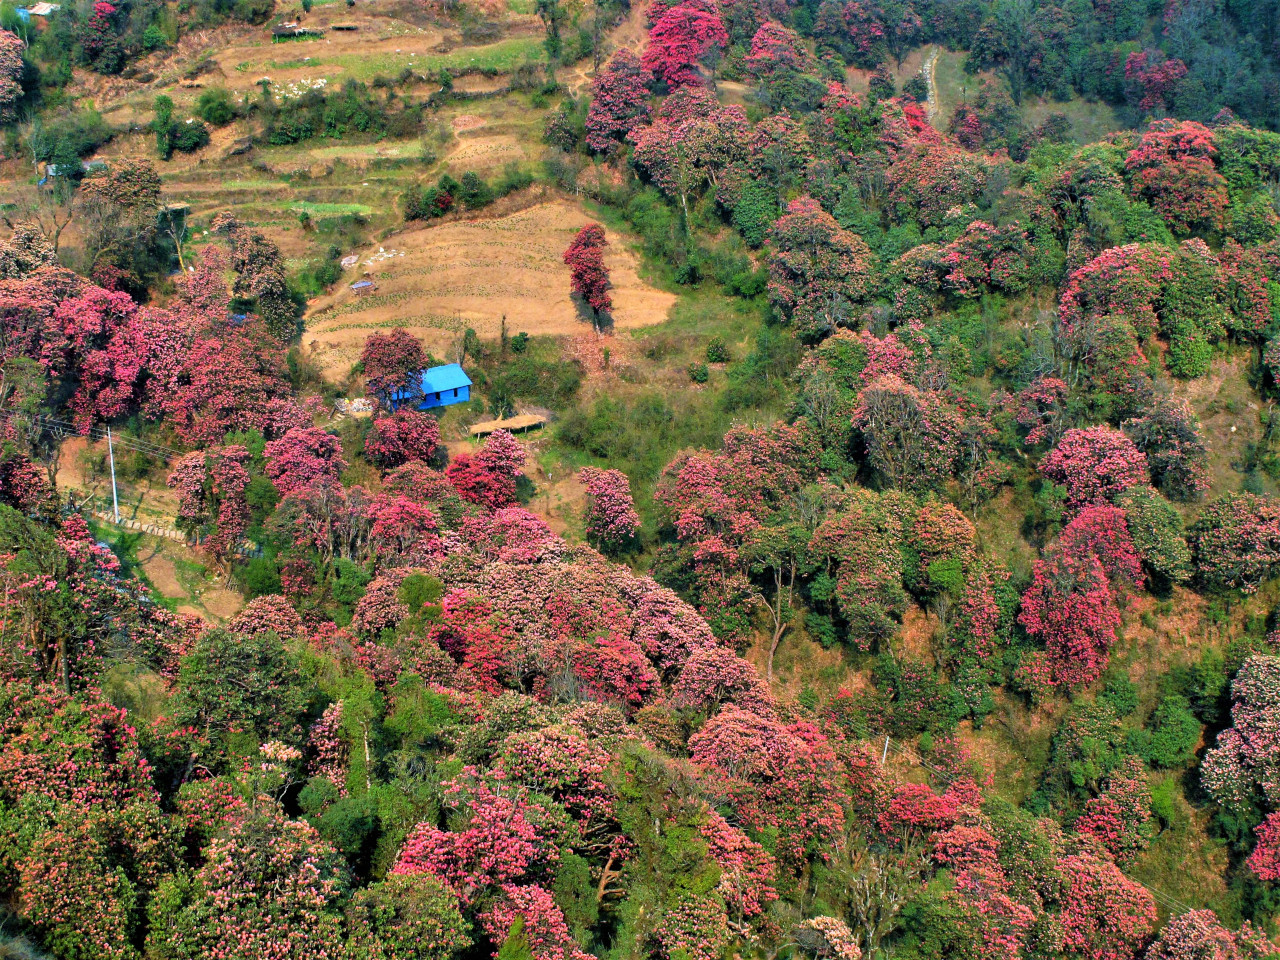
(440, 387)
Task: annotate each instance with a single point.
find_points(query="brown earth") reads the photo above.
(436, 281)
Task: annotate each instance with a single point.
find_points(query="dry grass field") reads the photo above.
(435, 281)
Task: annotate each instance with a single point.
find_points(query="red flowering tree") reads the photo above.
(1199, 935)
(477, 484)
(1152, 78)
(533, 912)
(11, 69)
(503, 837)
(489, 477)
(211, 496)
(301, 457)
(928, 179)
(619, 101)
(1095, 464)
(819, 273)
(390, 360)
(1265, 859)
(1242, 770)
(1070, 606)
(612, 521)
(268, 888)
(1119, 818)
(405, 435)
(912, 436)
(588, 276)
(692, 140)
(1172, 167)
(1104, 915)
(682, 39)
(1235, 542)
(747, 872)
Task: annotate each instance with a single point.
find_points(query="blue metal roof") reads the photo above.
(448, 377)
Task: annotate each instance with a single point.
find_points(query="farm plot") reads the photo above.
(437, 281)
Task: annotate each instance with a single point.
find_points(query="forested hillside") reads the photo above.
(889, 565)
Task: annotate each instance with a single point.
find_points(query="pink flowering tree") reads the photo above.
(1095, 464)
(269, 887)
(1235, 542)
(612, 521)
(211, 496)
(303, 456)
(619, 101)
(819, 273)
(1104, 915)
(1173, 167)
(1242, 770)
(400, 437)
(1199, 933)
(685, 37)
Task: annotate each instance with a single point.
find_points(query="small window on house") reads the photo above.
(437, 396)
(455, 391)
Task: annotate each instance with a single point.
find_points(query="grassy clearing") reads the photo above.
(329, 209)
(502, 57)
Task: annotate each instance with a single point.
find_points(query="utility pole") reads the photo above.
(111, 455)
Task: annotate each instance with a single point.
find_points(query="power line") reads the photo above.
(96, 433)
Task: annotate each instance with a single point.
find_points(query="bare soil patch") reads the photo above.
(470, 273)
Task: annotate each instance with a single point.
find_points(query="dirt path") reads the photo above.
(631, 34)
(927, 69)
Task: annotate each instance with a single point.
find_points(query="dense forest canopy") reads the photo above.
(908, 590)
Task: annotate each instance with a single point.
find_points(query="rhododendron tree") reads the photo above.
(1264, 861)
(390, 361)
(819, 273)
(1095, 464)
(829, 938)
(612, 521)
(1168, 435)
(211, 496)
(1104, 915)
(406, 918)
(1242, 770)
(619, 101)
(588, 275)
(269, 887)
(11, 69)
(301, 457)
(747, 871)
(681, 40)
(911, 435)
(1235, 542)
(1070, 606)
(533, 911)
(1154, 77)
(927, 180)
(717, 676)
(272, 613)
(692, 140)
(1199, 935)
(1172, 166)
(404, 435)
(506, 838)
(1119, 818)
(488, 478)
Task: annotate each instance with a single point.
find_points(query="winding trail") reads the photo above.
(927, 68)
